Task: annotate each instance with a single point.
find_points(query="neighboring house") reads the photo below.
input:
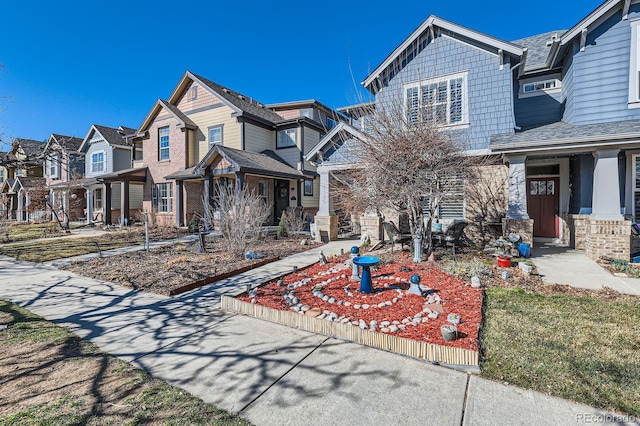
(562, 109)
(114, 188)
(206, 134)
(24, 185)
(63, 172)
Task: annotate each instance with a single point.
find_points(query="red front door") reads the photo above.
(543, 204)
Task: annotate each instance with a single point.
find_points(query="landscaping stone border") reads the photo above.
(400, 345)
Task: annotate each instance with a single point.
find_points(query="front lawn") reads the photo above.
(49, 376)
(38, 251)
(582, 348)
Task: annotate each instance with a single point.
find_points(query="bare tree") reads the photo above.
(239, 217)
(408, 163)
(294, 220)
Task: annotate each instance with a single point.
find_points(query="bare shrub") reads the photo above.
(239, 218)
(294, 221)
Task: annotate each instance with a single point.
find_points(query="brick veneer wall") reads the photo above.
(193, 200)
(610, 238)
(576, 228)
(522, 227)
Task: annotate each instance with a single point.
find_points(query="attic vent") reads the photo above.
(241, 97)
(553, 38)
(225, 90)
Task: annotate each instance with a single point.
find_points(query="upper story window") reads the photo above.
(441, 100)
(1, 175)
(193, 93)
(286, 138)
(331, 123)
(215, 135)
(634, 66)
(97, 162)
(54, 167)
(163, 143)
(540, 86)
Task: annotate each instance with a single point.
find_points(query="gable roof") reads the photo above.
(425, 33)
(265, 163)
(538, 48)
(335, 137)
(69, 143)
(172, 109)
(245, 104)
(31, 148)
(113, 136)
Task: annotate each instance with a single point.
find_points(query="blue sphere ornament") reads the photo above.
(415, 279)
(355, 250)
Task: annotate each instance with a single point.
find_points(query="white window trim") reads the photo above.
(540, 92)
(168, 198)
(211, 143)
(446, 77)
(54, 161)
(634, 66)
(168, 148)
(295, 138)
(97, 201)
(104, 162)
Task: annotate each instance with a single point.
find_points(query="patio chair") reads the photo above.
(395, 236)
(453, 237)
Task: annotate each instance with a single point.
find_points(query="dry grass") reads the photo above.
(49, 376)
(582, 348)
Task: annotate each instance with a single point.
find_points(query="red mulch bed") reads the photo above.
(455, 296)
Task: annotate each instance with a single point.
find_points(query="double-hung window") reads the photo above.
(634, 66)
(97, 162)
(163, 197)
(286, 138)
(308, 187)
(441, 100)
(163, 143)
(54, 169)
(215, 135)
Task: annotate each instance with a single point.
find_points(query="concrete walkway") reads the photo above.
(271, 374)
(558, 264)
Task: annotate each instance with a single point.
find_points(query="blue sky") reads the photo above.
(71, 64)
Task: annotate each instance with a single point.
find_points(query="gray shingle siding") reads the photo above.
(600, 73)
(542, 109)
(489, 88)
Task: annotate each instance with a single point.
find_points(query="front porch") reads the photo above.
(580, 183)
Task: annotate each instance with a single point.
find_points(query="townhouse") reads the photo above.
(560, 109)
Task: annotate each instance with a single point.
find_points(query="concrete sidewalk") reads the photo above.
(271, 374)
(558, 264)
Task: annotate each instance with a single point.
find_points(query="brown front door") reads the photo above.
(543, 204)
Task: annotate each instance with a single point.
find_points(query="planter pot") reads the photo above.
(449, 332)
(504, 261)
(525, 267)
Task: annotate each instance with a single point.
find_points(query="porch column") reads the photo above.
(207, 200)
(606, 186)
(106, 205)
(517, 188)
(124, 200)
(325, 207)
(179, 203)
(19, 216)
(89, 206)
(325, 220)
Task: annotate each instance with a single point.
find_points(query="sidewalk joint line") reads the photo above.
(282, 376)
(464, 401)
